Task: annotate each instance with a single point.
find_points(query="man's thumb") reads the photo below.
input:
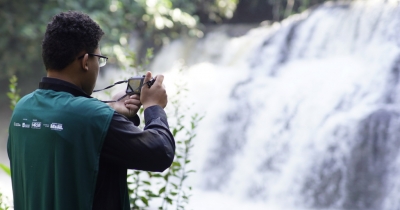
(147, 77)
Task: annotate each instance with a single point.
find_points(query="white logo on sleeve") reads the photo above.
(56, 126)
(26, 125)
(36, 125)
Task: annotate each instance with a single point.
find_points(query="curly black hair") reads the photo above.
(67, 34)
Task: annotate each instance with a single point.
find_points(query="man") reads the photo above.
(70, 151)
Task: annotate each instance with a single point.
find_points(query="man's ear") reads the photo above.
(84, 62)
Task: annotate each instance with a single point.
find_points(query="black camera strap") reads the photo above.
(117, 83)
(110, 86)
(116, 100)
(149, 84)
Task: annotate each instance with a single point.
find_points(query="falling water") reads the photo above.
(303, 114)
(298, 115)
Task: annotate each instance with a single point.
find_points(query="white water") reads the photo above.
(301, 115)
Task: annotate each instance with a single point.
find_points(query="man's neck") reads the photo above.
(62, 75)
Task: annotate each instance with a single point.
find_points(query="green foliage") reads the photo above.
(150, 22)
(147, 186)
(167, 188)
(22, 31)
(4, 202)
(5, 169)
(169, 185)
(153, 21)
(13, 95)
(174, 192)
(184, 135)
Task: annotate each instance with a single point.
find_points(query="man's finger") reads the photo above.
(132, 101)
(147, 77)
(135, 96)
(159, 79)
(132, 106)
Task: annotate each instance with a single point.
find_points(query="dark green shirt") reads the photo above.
(55, 140)
(75, 178)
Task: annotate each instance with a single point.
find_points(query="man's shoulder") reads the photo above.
(23, 99)
(64, 100)
(92, 102)
(81, 100)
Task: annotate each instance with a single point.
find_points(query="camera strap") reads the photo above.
(149, 84)
(117, 83)
(116, 100)
(110, 86)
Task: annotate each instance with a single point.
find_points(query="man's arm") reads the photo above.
(152, 149)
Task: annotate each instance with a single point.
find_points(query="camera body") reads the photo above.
(135, 85)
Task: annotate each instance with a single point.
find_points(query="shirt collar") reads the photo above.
(49, 83)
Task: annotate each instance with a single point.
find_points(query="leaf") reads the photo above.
(153, 195)
(191, 171)
(5, 169)
(176, 164)
(161, 190)
(157, 175)
(169, 200)
(145, 201)
(175, 185)
(147, 182)
(166, 177)
(201, 118)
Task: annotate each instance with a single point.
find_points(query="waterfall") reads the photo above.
(303, 114)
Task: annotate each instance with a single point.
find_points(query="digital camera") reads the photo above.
(135, 85)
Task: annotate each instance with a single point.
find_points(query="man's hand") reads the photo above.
(128, 106)
(156, 94)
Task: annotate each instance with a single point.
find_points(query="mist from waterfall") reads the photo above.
(298, 115)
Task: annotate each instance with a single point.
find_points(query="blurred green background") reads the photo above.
(152, 22)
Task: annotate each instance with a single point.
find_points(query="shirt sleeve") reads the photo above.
(135, 119)
(151, 149)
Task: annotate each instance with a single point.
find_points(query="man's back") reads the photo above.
(70, 151)
(55, 140)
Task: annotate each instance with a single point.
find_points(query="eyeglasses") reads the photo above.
(102, 59)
